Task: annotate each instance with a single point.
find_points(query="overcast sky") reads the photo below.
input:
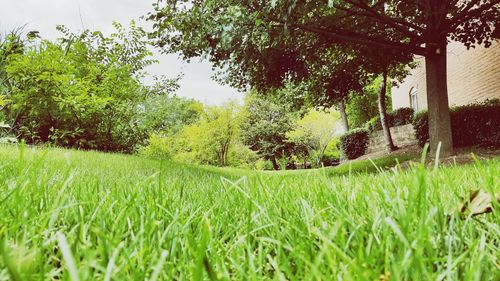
(44, 15)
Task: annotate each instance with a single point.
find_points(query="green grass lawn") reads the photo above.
(70, 215)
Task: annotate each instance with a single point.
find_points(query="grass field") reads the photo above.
(69, 215)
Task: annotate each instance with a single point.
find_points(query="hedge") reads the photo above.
(354, 143)
(399, 117)
(473, 124)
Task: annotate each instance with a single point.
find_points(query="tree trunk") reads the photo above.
(382, 108)
(343, 115)
(275, 164)
(437, 99)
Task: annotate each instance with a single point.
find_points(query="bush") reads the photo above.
(354, 143)
(473, 124)
(242, 157)
(421, 127)
(374, 124)
(399, 117)
(159, 147)
(331, 157)
(402, 116)
(263, 165)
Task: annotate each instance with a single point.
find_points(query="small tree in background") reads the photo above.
(212, 138)
(316, 131)
(264, 129)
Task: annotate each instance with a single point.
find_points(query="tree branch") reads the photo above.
(362, 39)
(397, 24)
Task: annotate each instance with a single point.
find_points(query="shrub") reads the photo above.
(263, 165)
(473, 124)
(399, 117)
(374, 124)
(331, 157)
(242, 157)
(421, 127)
(159, 147)
(402, 116)
(354, 143)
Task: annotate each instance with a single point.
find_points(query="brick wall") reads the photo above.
(401, 136)
(473, 75)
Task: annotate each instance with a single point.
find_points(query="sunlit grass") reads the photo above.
(74, 215)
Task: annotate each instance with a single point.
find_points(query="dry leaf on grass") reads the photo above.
(480, 202)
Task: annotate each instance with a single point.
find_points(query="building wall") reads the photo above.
(473, 75)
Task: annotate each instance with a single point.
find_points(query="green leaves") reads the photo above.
(82, 90)
(316, 130)
(212, 138)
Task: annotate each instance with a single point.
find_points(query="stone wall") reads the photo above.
(401, 136)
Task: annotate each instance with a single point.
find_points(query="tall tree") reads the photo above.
(382, 108)
(231, 31)
(332, 75)
(264, 129)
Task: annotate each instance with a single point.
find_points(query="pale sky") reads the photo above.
(44, 15)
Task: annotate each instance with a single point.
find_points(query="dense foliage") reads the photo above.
(212, 139)
(265, 128)
(262, 43)
(362, 106)
(354, 143)
(260, 134)
(82, 91)
(473, 124)
(317, 132)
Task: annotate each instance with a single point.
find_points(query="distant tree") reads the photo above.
(332, 74)
(315, 131)
(329, 72)
(248, 38)
(212, 138)
(361, 108)
(264, 129)
(163, 111)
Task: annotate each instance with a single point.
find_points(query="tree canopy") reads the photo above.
(250, 40)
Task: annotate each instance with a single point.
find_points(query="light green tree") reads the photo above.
(211, 139)
(316, 131)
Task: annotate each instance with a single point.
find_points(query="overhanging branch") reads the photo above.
(362, 39)
(468, 14)
(401, 26)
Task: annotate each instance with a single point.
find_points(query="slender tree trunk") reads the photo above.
(275, 164)
(382, 108)
(343, 115)
(437, 99)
